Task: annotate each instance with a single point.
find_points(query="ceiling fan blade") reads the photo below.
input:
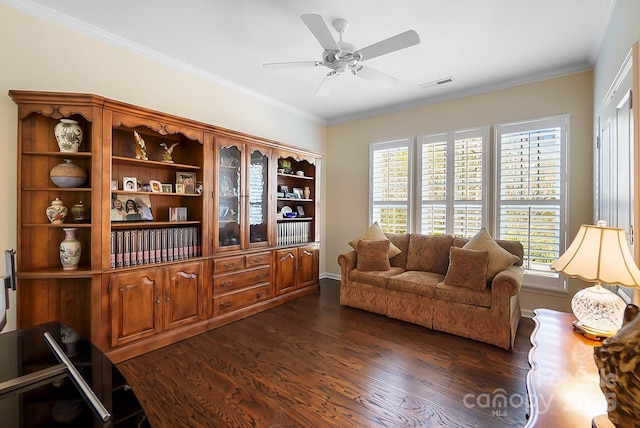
(326, 85)
(294, 64)
(319, 28)
(377, 77)
(392, 44)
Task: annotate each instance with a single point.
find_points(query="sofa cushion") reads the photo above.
(375, 278)
(373, 255)
(429, 253)
(400, 240)
(514, 247)
(499, 258)
(374, 233)
(467, 268)
(465, 296)
(415, 282)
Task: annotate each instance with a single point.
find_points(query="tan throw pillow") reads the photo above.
(499, 258)
(467, 268)
(373, 255)
(374, 233)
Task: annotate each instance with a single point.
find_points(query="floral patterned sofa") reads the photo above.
(464, 287)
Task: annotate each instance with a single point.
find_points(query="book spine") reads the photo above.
(152, 246)
(126, 255)
(169, 245)
(119, 249)
(165, 246)
(145, 249)
(134, 248)
(140, 246)
(158, 245)
(112, 254)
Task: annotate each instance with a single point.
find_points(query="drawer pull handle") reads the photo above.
(229, 265)
(258, 259)
(261, 275)
(225, 304)
(260, 295)
(158, 302)
(226, 284)
(308, 253)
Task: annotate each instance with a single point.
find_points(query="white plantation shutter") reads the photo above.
(390, 174)
(531, 187)
(452, 177)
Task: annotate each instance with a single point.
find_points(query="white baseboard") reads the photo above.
(330, 276)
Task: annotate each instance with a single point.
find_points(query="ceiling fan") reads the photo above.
(341, 56)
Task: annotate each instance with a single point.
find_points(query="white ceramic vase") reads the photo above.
(307, 192)
(68, 134)
(70, 249)
(56, 212)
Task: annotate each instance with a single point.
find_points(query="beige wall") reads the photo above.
(39, 55)
(348, 153)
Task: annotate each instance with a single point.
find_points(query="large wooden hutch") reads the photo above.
(141, 285)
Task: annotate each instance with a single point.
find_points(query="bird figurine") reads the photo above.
(141, 147)
(167, 154)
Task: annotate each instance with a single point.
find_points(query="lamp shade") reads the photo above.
(599, 254)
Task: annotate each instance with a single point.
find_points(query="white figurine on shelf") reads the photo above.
(168, 151)
(141, 147)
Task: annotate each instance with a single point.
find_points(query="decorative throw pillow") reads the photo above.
(499, 258)
(467, 268)
(374, 233)
(373, 255)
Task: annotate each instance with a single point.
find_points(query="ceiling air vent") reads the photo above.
(438, 82)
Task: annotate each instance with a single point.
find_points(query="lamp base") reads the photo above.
(591, 333)
(602, 421)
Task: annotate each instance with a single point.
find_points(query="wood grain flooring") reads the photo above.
(314, 363)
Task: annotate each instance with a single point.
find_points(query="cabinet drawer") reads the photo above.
(239, 300)
(258, 259)
(228, 264)
(238, 280)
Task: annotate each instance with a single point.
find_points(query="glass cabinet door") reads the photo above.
(258, 179)
(229, 196)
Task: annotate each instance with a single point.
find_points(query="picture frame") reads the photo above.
(114, 184)
(129, 184)
(284, 189)
(297, 191)
(180, 188)
(199, 188)
(156, 186)
(300, 210)
(188, 180)
(177, 214)
(167, 188)
(131, 208)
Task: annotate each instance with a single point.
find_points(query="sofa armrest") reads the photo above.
(508, 281)
(347, 261)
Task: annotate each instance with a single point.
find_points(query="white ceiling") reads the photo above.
(483, 44)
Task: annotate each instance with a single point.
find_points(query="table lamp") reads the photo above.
(598, 254)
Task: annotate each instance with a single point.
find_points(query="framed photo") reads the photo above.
(284, 189)
(156, 186)
(177, 213)
(180, 188)
(129, 184)
(114, 184)
(297, 192)
(167, 188)
(300, 210)
(146, 187)
(188, 180)
(131, 208)
(199, 188)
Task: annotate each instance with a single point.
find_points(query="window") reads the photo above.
(390, 185)
(531, 193)
(453, 174)
(526, 184)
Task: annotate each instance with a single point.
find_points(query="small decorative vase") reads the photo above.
(70, 338)
(68, 134)
(79, 212)
(307, 192)
(68, 174)
(69, 249)
(56, 212)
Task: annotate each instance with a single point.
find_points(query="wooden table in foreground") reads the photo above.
(563, 383)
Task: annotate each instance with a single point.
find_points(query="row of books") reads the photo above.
(294, 232)
(135, 247)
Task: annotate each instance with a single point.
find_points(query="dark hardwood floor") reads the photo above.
(314, 363)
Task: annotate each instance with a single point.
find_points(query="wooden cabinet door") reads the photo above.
(183, 295)
(307, 266)
(286, 264)
(135, 306)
